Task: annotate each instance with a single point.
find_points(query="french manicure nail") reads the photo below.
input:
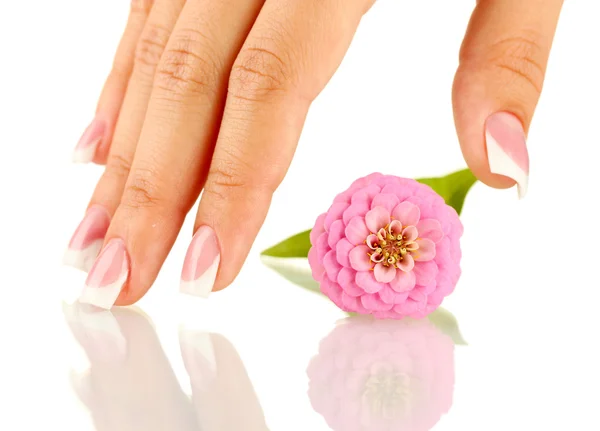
(89, 141)
(107, 276)
(87, 240)
(507, 148)
(201, 263)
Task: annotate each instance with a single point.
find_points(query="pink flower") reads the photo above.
(382, 375)
(387, 246)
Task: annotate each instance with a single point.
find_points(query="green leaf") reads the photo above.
(295, 246)
(453, 188)
(298, 272)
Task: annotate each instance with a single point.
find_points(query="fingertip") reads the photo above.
(491, 135)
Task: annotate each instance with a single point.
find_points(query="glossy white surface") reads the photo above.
(527, 303)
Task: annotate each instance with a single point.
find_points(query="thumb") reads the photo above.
(498, 83)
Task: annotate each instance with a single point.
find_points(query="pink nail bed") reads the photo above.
(201, 263)
(89, 141)
(87, 240)
(107, 276)
(507, 148)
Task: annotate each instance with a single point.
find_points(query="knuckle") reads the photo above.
(522, 56)
(230, 175)
(188, 67)
(149, 49)
(117, 167)
(258, 73)
(141, 191)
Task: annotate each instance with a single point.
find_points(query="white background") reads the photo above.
(527, 302)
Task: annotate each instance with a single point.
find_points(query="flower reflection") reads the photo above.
(382, 375)
(130, 384)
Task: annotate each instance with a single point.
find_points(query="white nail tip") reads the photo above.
(203, 285)
(502, 164)
(105, 296)
(85, 154)
(83, 259)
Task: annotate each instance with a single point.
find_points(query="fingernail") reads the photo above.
(87, 240)
(201, 263)
(89, 141)
(507, 149)
(107, 276)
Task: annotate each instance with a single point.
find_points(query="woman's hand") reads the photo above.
(211, 95)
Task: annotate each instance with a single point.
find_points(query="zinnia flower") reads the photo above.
(382, 375)
(387, 246)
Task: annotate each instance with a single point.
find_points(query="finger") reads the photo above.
(291, 53)
(89, 236)
(498, 83)
(174, 147)
(95, 141)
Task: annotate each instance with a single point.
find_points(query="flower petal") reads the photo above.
(412, 246)
(395, 227)
(353, 304)
(373, 303)
(346, 281)
(425, 272)
(377, 218)
(431, 229)
(318, 229)
(355, 210)
(342, 252)
(429, 288)
(408, 307)
(386, 200)
(344, 197)
(387, 294)
(366, 280)
(403, 281)
(407, 263)
(334, 213)
(356, 230)
(409, 233)
(332, 291)
(332, 267)
(359, 258)
(322, 246)
(426, 250)
(316, 266)
(361, 197)
(336, 232)
(384, 274)
(418, 294)
(400, 298)
(365, 195)
(377, 256)
(408, 213)
(373, 241)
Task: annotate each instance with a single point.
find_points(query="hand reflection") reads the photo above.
(130, 384)
(372, 375)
